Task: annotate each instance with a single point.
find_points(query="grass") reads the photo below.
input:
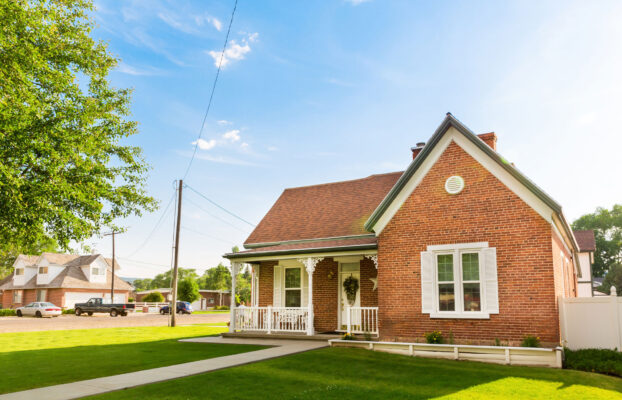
(342, 373)
(36, 359)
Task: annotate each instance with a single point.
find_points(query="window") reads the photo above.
(43, 270)
(41, 294)
(457, 279)
(19, 271)
(17, 296)
(98, 271)
(293, 287)
(211, 300)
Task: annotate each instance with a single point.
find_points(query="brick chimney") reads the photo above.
(417, 149)
(490, 139)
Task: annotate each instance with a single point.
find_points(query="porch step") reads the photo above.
(288, 336)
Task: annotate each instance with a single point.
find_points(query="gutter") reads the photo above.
(233, 256)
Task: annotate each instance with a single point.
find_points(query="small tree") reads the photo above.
(188, 290)
(154, 297)
(613, 278)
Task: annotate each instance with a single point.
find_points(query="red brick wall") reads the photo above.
(485, 211)
(56, 296)
(565, 276)
(226, 299)
(369, 297)
(266, 283)
(325, 295)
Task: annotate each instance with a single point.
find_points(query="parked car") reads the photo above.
(39, 309)
(183, 307)
(97, 305)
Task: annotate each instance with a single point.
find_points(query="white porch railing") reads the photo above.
(271, 319)
(362, 320)
(151, 307)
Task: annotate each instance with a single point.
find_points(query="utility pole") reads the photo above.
(113, 262)
(173, 308)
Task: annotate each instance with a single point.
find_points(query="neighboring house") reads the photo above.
(62, 279)
(587, 247)
(461, 242)
(209, 298)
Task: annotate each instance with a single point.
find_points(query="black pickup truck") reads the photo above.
(97, 305)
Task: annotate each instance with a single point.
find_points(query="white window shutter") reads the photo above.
(490, 280)
(427, 282)
(277, 289)
(305, 287)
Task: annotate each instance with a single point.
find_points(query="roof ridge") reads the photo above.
(348, 180)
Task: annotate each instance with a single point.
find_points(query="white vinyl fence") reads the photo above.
(591, 322)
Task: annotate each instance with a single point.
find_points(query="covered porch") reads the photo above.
(309, 294)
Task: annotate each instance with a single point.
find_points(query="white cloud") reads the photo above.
(356, 2)
(234, 52)
(244, 145)
(273, 148)
(224, 160)
(233, 135)
(130, 70)
(223, 122)
(202, 19)
(205, 144)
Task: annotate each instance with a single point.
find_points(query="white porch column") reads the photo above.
(235, 266)
(309, 264)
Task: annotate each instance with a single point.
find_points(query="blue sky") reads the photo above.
(322, 91)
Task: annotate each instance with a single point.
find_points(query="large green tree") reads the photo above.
(9, 252)
(188, 290)
(217, 278)
(613, 278)
(163, 280)
(607, 226)
(65, 172)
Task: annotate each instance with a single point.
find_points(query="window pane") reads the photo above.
(292, 298)
(471, 297)
(292, 278)
(446, 297)
(445, 267)
(470, 266)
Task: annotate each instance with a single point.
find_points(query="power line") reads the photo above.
(219, 206)
(154, 228)
(216, 217)
(206, 235)
(209, 103)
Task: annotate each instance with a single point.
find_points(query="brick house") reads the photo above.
(62, 279)
(460, 242)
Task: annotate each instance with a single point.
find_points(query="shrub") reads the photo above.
(435, 337)
(154, 297)
(130, 300)
(530, 341)
(348, 336)
(7, 312)
(69, 311)
(602, 361)
(497, 342)
(217, 308)
(367, 336)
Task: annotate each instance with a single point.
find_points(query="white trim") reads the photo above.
(302, 254)
(458, 246)
(455, 315)
(452, 135)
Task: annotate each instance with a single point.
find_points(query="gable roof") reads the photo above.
(71, 277)
(331, 210)
(448, 122)
(586, 240)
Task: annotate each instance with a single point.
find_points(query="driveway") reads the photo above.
(25, 324)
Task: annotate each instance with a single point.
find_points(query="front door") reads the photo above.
(348, 270)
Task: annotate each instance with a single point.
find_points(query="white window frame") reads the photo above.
(98, 271)
(457, 250)
(43, 273)
(18, 296)
(43, 298)
(19, 271)
(285, 288)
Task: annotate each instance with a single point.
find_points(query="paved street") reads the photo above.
(25, 324)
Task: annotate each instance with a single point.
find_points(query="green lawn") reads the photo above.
(35, 359)
(341, 373)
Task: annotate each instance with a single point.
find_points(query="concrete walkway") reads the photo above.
(117, 382)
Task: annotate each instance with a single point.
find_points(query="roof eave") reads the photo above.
(367, 246)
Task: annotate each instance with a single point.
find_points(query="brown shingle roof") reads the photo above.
(323, 211)
(307, 246)
(585, 240)
(70, 278)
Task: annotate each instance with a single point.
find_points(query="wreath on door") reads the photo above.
(351, 286)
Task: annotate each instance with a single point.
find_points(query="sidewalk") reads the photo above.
(117, 382)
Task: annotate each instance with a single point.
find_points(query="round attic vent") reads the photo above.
(454, 184)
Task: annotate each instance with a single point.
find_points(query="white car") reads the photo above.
(39, 309)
